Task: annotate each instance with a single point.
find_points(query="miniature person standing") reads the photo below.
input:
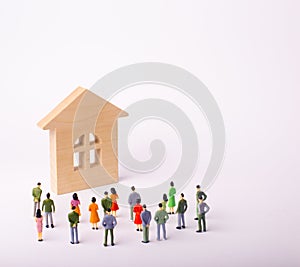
(94, 218)
(199, 193)
(74, 220)
(75, 202)
(146, 218)
(48, 207)
(106, 203)
(109, 222)
(172, 203)
(114, 196)
(161, 217)
(203, 209)
(36, 193)
(137, 209)
(181, 209)
(132, 201)
(164, 202)
(39, 224)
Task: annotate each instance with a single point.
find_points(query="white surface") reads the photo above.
(246, 52)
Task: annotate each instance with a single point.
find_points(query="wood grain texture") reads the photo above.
(80, 114)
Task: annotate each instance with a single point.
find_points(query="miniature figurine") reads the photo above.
(75, 202)
(48, 207)
(137, 209)
(132, 201)
(74, 220)
(203, 209)
(109, 222)
(94, 218)
(199, 193)
(161, 217)
(36, 193)
(106, 203)
(164, 202)
(114, 196)
(39, 224)
(172, 202)
(181, 209)
(146, 218)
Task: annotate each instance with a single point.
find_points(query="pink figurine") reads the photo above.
(75, 202)
(39, 224)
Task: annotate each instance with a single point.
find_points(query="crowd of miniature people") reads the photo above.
(139, 214)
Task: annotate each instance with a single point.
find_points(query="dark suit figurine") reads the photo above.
(199, 193)
(181, 209)
(203, 209)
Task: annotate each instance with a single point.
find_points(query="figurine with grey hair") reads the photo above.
(132, 200)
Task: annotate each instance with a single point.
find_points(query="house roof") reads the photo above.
(76, 95)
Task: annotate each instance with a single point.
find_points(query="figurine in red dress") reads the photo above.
(138, 209)
(114, 196)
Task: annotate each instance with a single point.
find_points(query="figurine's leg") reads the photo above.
(199, 223)
(145, 239)
(164, 231)
(183, 222)
(76, 234)
(46, 215)
(34, 208)
(105, 237)
(72, 234)
(111, 236)
(158, 232)
(204, 223)
(179, 220)
(131, 213)
(51, 218)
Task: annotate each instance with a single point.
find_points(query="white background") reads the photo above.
(246, 52)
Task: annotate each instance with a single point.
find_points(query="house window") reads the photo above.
(86, 152)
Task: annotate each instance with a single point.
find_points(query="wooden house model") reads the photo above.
(83, 142)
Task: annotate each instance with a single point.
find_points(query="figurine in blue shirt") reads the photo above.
(146, 218)
(109, 222)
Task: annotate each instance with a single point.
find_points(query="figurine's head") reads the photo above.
(160, 205)
(48, 195)
(181, 195)
(108, 211)
(172, 183)
(200, 199)
(133, 188)
(39, 184)
(38, 213)
(198, 187)
(73, 208)
(144, 207)
(75, 197)
(93, 199)
(165, 197)
(113, 190)
(105, 194)
(138, 201)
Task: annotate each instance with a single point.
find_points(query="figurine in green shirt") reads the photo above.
(161, 217)
(106, 203)
(172, 203)
(48, 207)
(36, 193)
(73, 218)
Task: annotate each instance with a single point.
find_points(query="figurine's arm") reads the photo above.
(207, 209)
(53, 206)
(185, 206)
